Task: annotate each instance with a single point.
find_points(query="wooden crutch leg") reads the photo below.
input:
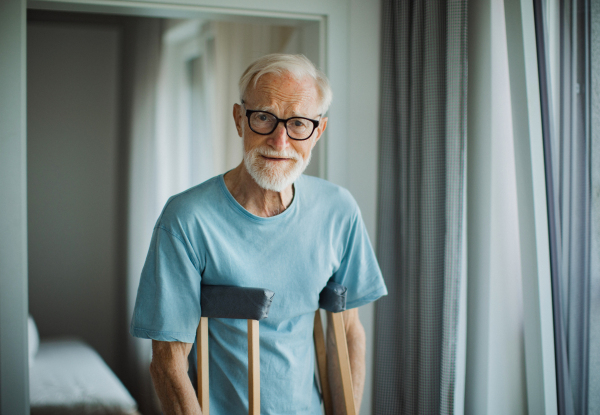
(253, 368)
(341, 344)
(344, 374)
(321, 350)
(202, 353)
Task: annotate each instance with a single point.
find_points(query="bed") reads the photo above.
(67, 376)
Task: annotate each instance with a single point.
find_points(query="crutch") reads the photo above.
(253, 304)
(219, 301)
(333, 300)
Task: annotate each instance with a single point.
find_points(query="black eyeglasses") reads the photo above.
(264, 123)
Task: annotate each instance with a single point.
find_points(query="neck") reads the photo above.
(252, 197)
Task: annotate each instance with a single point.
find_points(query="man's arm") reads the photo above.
(169, 374)
(355, 336)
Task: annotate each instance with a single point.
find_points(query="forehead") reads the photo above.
(284, 94)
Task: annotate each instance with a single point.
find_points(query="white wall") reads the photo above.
(14, 385)
(495, 382)
(363, 142)
(72, 182)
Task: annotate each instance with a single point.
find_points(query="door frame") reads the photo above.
(332, 18)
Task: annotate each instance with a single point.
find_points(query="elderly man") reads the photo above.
(262, 224)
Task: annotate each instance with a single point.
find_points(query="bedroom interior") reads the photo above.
(507, 362)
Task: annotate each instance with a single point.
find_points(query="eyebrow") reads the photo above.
(272, 111)
(268, 108)
(265, 108)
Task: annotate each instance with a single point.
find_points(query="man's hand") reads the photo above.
(355, 336)
(169, 374)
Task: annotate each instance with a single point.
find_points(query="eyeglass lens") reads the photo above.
(265, 123)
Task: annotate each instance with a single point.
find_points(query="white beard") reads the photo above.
(268, 174)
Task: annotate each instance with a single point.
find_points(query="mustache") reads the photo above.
(269, 152)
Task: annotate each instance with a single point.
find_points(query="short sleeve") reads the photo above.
(359, 271)
(167, 306)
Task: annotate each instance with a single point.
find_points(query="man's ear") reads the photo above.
(238, 118)
(320, 129)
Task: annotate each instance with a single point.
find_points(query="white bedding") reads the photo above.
(69, 377)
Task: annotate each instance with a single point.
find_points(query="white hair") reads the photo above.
(299, 66)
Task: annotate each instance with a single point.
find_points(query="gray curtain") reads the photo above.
(594, 351)
(574, 201)
(568, 117)
(421, 204)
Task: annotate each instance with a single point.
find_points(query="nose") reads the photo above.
(279, 138)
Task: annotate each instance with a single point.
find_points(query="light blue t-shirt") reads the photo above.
(204, 236)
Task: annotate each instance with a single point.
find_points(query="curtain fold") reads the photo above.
(421, 204)
(594, 351)
(568, 154)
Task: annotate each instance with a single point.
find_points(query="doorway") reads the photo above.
(102, 88)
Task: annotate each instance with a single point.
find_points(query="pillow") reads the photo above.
(33, 340)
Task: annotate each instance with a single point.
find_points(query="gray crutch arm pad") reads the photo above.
(223, 301)
(333, 297)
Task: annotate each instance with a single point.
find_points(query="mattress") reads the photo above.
(69, 377)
